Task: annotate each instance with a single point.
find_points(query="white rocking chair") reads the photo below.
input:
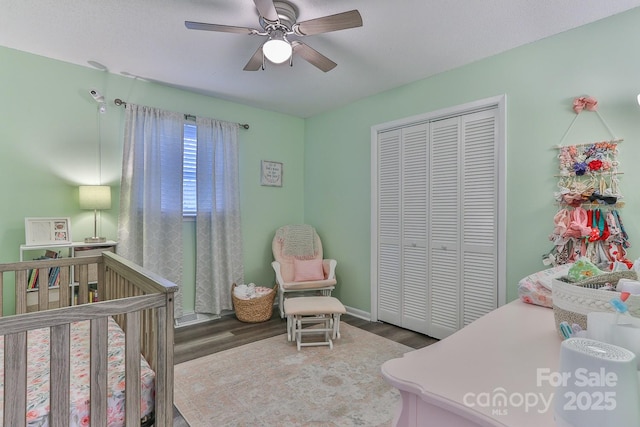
(299, 266)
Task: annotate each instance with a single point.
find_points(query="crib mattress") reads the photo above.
(38, 377)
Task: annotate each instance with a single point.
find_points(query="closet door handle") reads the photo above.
(444, 247)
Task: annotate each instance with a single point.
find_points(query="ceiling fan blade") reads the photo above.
(215, 27)
(256, 61)
(339, 21)
(313, 56)
(267, 10)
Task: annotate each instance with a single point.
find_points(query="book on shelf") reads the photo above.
(54, 277)
(54, 272)
(33, 279)
(93, 295)
(51, 254)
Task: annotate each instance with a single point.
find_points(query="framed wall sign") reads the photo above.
(271, 173)
(47, 231)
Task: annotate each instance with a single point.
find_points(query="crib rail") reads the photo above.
(44, 292)
(140, 301)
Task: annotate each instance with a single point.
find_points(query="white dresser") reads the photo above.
(494, 372)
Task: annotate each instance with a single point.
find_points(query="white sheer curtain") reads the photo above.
(218, 235)
(150, 220)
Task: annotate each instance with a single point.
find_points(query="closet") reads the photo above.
(436, 196)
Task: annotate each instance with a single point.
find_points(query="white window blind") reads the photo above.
(190, 142)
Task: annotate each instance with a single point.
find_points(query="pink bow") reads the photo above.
(584, 102)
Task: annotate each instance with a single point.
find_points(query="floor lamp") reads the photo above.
(95, 197)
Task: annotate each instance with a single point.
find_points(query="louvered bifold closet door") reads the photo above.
(479, 215)
(389, 248)
(414, 228)
(444, 228)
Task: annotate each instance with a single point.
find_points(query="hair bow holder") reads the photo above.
(587, 177)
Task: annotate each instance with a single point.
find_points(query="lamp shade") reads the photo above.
(95, 197)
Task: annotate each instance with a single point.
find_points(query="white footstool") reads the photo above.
(321, 309)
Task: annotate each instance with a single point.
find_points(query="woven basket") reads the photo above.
(254, 310)
(573, 301)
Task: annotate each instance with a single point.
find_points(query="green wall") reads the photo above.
(540, 81)
(49, 134)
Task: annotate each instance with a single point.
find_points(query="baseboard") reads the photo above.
(355, 312)
(192, 318)
(358, 313)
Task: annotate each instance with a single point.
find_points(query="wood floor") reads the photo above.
(227, 332)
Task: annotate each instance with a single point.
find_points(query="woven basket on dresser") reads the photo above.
(572, 301)
(254, 310)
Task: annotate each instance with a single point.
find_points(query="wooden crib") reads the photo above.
(139, 301)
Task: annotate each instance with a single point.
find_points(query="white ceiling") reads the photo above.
(401, 41)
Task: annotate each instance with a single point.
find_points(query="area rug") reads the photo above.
(269, 383)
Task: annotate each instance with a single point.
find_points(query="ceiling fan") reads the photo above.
(278, 22)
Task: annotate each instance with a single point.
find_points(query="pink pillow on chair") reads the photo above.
(307, 270)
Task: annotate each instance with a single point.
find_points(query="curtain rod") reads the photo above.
(119, 102)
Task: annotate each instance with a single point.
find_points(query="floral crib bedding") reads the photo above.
(38, 377)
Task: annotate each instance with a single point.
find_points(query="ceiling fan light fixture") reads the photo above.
(278, 19)
(277, 49)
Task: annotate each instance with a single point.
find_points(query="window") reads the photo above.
(190, 142)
